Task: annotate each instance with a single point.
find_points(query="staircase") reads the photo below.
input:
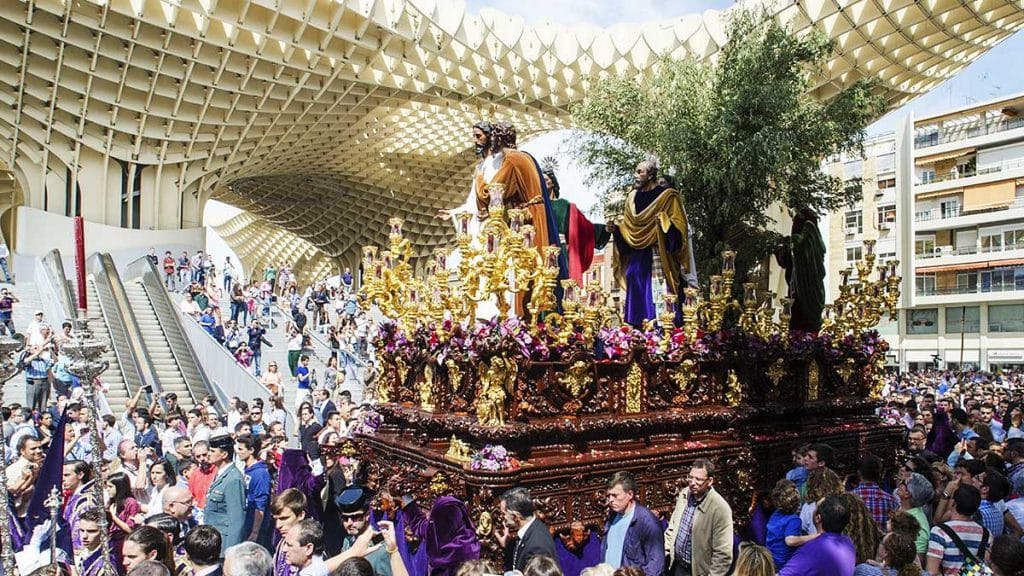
(117, 392)
(157, 346)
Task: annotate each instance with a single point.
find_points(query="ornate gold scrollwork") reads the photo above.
(576, 378)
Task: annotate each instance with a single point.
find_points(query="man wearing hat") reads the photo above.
(35, 329)
(354, 512)
(225, 500)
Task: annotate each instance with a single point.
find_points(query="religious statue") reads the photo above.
(577, 236)
(496, 382)
(426, 388)
(653, 219)
(802, 256)
(459, 450)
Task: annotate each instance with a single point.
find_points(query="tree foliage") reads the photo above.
(738, 135)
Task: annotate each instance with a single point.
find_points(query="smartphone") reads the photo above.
(378, 538)
(147, 389)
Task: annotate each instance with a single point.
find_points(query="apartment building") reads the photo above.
(946, 195)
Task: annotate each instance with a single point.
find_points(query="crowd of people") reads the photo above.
(322, 311)
(216, 489)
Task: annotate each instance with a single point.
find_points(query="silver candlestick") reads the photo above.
(9, 368)
(85, 352)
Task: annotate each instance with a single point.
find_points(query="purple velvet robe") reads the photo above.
(639, 305)
(447, 534)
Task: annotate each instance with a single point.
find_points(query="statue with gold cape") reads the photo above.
(653, 220)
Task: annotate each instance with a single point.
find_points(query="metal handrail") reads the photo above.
(57, 300)
(125, 336)
(235, 380)
(197, 381)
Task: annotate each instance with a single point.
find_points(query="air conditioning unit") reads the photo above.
(851, 231)
(884, 225)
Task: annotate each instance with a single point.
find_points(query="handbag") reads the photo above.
(972, 566)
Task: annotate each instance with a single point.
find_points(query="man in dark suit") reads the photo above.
(323, 405)
(202, 546)
(225, 500)
(532, 536)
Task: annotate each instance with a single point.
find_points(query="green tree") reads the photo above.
(738, 135)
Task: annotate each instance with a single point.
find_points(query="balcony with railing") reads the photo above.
(963, 131)
(958, 217)
(969, 250)
(957, 290)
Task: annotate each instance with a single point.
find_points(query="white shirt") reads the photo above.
(316, 567)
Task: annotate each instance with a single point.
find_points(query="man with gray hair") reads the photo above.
(248, 559)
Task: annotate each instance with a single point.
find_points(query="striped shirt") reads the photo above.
(940, 545)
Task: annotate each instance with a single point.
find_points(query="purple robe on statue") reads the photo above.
(639, 269)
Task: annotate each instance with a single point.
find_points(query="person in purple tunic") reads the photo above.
(447, 531)
(653, 220)
(831, 553)
(89, 560)
(77, 479)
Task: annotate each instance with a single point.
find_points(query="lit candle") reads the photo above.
(396, 226)
(389, 262)
(893, 267)
(749, 294)
(882, 272)
(441, 259)
(414, 295)
(369, 253)
(869, 247)
(845, 274)
(689, 298)
(527, 232)
(716, 285)
(670, 302)
(551, 256)
(569, 289)
(378, 270)
(492, 242)
(464, 218)
(496, 197)
(728, 261)
(515, 218)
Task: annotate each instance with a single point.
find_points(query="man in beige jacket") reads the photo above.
(698, 540)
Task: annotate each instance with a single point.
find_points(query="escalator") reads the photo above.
(169, 371)
(117, 389)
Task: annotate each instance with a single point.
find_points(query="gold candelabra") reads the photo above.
(862, 302)
(500, 264)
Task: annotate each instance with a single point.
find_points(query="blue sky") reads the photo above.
(993, 75)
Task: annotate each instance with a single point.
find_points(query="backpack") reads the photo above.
(972, 566)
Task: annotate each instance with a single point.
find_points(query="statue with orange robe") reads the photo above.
(520, 175)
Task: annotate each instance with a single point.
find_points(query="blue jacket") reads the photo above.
(645, 542)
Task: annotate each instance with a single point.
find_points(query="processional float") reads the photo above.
(562, 397)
